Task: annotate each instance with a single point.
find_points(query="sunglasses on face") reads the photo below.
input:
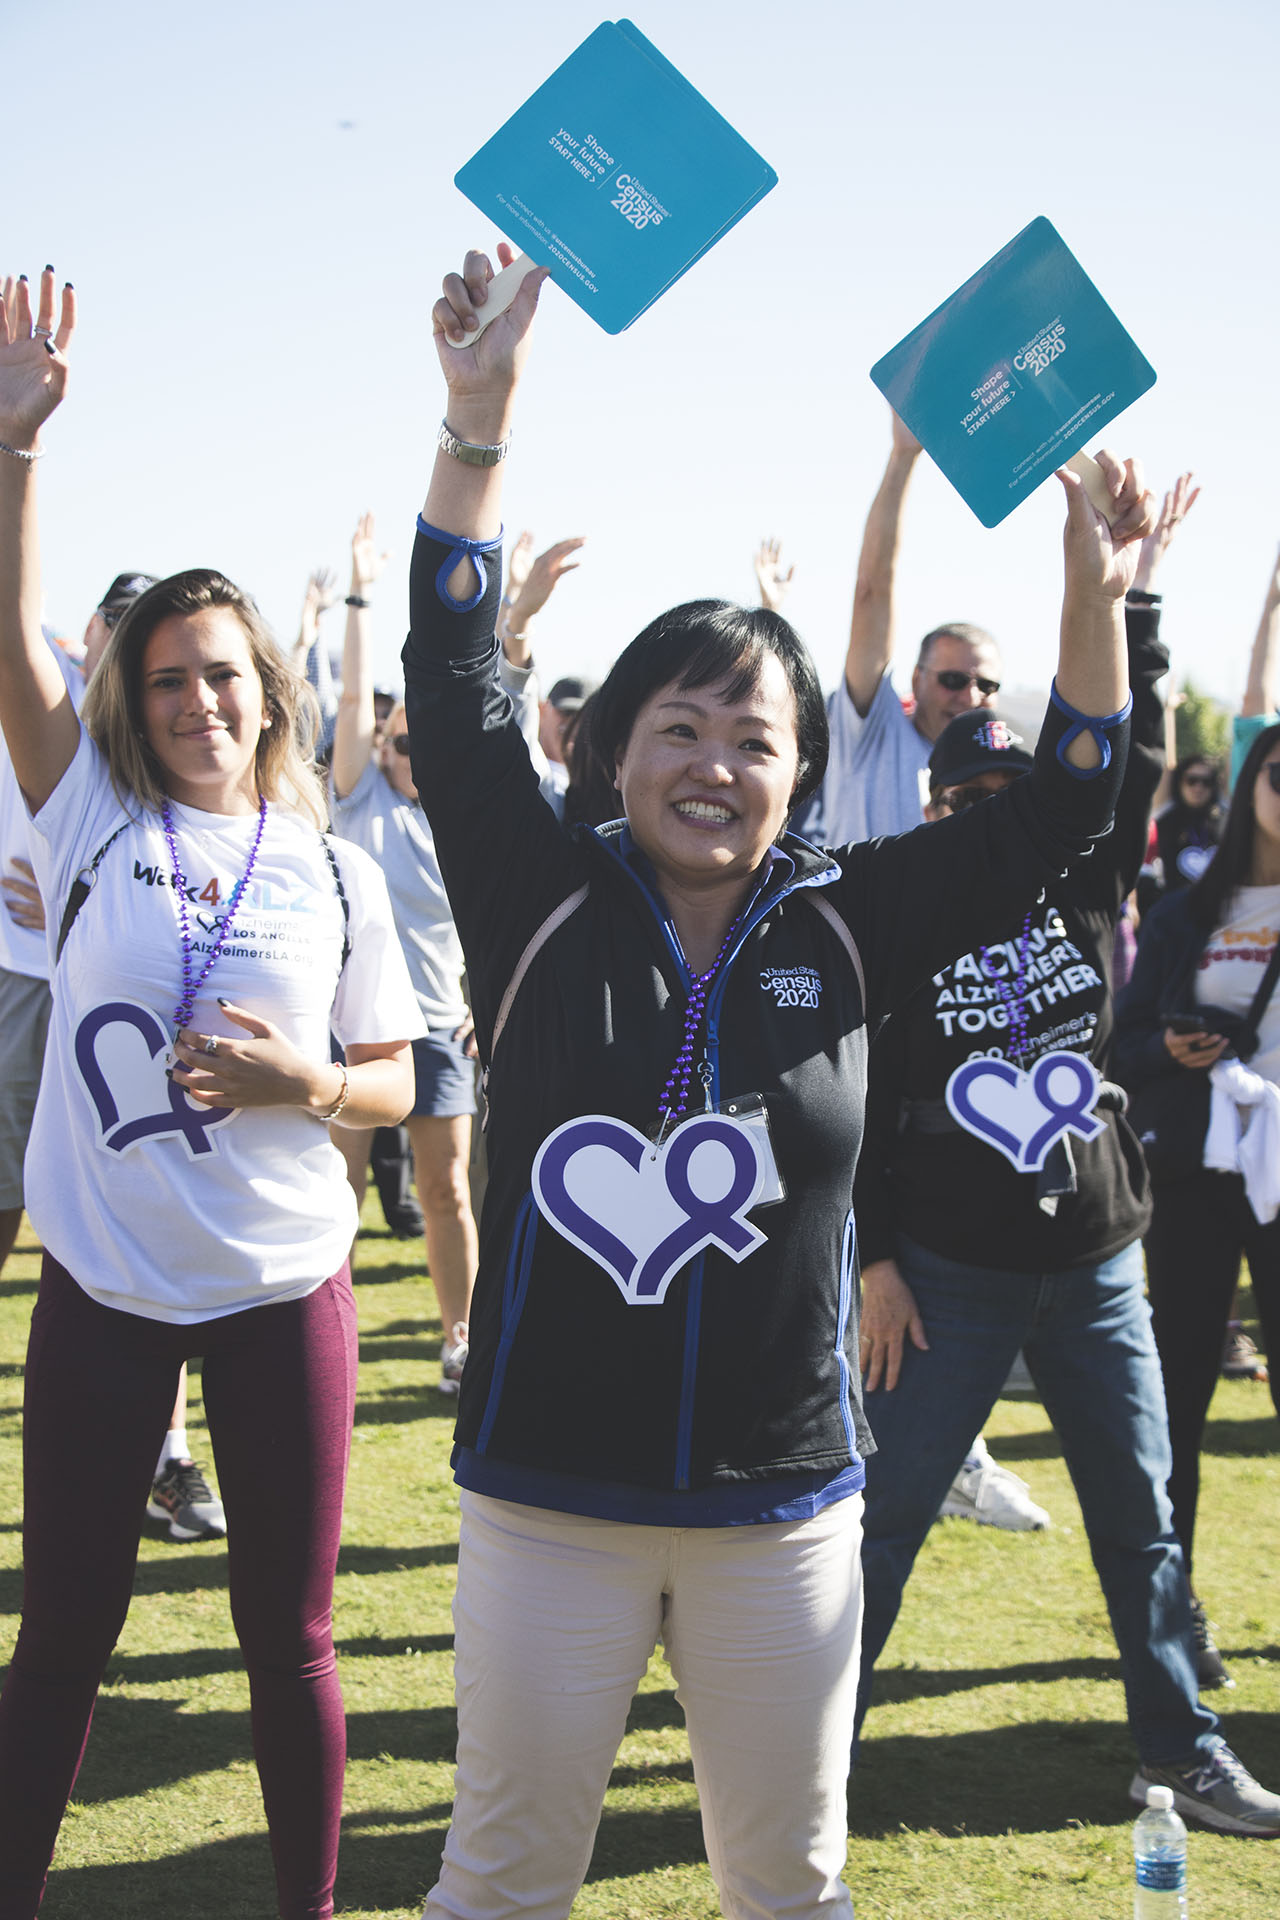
(111, 616)
(956, 682)
(400, 741)
(1196, 780)
(957, 799)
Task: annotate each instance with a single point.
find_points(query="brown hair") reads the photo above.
(285, 767)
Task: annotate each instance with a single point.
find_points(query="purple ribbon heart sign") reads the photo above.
(129, 1074)
(1021, 1114)
(641, 1212)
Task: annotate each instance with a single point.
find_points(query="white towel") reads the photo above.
(1243, 1135)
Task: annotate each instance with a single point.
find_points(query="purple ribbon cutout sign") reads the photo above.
(1023, 1114)
(179, 1116)
(641, 1212)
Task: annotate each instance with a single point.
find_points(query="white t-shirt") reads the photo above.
(395, 833)
(1232, 964)
(21, 949)
(876, 780)
(153, 1204)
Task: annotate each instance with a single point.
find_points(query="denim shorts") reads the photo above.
(444, 1079)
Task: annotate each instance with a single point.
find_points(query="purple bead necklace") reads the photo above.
(191, 987)
(1015, 997)
(674, 1102)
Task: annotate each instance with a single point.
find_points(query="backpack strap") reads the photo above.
(846, 939)
(81, 887)
(334, 869)
(550, 925)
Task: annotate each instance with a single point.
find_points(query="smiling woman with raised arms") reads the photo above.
(180, 1174)
(645, 996)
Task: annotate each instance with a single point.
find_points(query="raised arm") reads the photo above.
(1177, 504)
(36, 713)
(356, 725)
(773, 583)
(530, 584)
(320, 595)
(1262, 689)
(465, 498)
(871, 624)
(1101, 562)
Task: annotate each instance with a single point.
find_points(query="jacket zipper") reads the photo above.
(693, 1300)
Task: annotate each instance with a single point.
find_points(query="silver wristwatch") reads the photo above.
(465, 450)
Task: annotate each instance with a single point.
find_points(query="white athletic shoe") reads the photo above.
(453, 1358)
(994, 1497)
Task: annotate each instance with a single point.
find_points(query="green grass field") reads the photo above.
(995, 1764)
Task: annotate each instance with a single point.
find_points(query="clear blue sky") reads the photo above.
(256, 205)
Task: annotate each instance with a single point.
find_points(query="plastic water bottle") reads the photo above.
(1159, 1860)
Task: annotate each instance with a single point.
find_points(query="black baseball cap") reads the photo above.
(973, 743)
(571, 694)
(123, 591)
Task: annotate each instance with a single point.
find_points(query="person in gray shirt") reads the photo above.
(375, 804)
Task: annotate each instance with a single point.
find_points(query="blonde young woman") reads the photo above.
(180, 1173)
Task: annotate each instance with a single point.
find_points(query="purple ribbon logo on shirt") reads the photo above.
(641, 1212)
(1022, 1114)
(130, 1076)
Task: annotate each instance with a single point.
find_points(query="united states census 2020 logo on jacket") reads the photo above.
(792, 986)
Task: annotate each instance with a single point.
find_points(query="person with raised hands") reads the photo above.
(180, 1176)
(674, 1014)
(1001, 1197)
(375, 804)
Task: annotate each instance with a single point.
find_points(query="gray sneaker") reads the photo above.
(182, 1497)
(1218, 1792)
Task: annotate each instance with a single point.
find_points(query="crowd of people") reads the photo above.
(816, 1106)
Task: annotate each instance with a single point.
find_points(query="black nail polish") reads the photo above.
(50, 349)
(222, 1002)
(69, 285)
(22, 279)
(48, 266)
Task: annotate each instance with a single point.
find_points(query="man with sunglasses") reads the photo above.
(875, 781)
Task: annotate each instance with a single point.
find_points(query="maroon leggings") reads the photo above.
(279, 1391)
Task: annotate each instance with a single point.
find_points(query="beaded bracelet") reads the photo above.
(341, 1100)
(29, 454)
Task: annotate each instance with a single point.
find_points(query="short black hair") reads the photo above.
(702, 642)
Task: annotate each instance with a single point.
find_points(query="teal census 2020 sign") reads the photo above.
(617, 175)
(1012, 374)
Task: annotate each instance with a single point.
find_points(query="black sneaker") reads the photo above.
(1210, 1671)
(181, 1495)
(1219, 1791)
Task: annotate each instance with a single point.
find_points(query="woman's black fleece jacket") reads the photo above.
(744, 1371)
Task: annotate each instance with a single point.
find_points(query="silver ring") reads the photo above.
(211, 1044)
(42, 333)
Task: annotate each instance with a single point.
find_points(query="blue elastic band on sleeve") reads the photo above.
(461, 548)
(1097, 725)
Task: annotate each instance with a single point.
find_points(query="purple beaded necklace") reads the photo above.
(674, 1102)
(1015, 997)
(190, 988)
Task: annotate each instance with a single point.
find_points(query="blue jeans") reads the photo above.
(1086, 1334)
